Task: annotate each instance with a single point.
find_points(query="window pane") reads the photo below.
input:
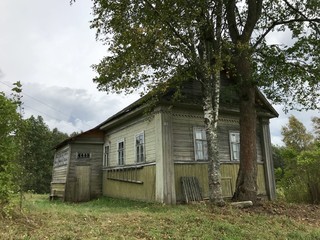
(198, 134)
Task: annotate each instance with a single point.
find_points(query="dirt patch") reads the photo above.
(305, 213)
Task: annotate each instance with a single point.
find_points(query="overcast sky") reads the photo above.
(49, 47)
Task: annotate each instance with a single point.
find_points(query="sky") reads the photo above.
(49, 47)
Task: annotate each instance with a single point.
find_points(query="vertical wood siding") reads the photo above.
(229, 174)
(95, 163)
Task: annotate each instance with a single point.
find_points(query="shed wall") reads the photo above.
(95, 164)
(59, 172)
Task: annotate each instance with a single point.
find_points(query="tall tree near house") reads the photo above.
(152, 42)
(294, 76)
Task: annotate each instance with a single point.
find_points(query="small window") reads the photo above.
(82, 155)
(139, 147)
(121, 152)
(200, 144)
(106, 158)
(234, 138)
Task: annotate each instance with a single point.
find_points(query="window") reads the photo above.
(139, 147)
(82, 155)
(121, 152)
(200, 144)
(234, 138)
(106, 158)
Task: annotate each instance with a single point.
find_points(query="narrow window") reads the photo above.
(234, 146)
(121, 152)
(106, 158)
(139, 147)
(200, 144)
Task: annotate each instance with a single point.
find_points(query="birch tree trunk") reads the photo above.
(211, 116)
(211, 100)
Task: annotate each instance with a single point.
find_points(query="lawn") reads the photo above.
(108, 218)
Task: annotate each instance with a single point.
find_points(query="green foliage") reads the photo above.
(295, 135)
(37, 154)
(309, 163)
(9, 120)
(300, 179)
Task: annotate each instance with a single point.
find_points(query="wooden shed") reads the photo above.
(77, 165)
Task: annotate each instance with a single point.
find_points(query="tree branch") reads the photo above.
(254, 13)
(277, 23)
(231, 18)
(301, 14)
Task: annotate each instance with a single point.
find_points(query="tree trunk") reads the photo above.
(246, 185)
(211, 113)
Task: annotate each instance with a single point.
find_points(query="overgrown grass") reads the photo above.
(108, 218)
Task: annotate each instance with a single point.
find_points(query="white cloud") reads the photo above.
(72, 109)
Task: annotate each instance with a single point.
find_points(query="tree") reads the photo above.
(316, 127)
(301, 154)
(249, 22)
(37, 154)
(152, 41)
(295, 135)
(9, 120)
(160, 44)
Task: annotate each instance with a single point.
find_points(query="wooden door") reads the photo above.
(83, 183)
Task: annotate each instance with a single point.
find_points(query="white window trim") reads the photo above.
(230, 145)
(195, 145)
(135, 147)
(106, 161)
(124, 150)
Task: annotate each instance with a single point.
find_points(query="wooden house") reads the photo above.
(142, 153)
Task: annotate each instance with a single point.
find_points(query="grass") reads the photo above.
(108, 218)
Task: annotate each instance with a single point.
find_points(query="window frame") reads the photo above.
(204, 144)
(138, 158)
(121, 161)
(106, 155)
(232, 144)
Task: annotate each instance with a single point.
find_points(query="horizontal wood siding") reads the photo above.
(59, 172)
(128, 133)
(94, 161)
(143, 188)
(183, 140)
(229, 173)
(183, 145)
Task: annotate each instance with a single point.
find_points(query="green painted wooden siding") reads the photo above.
(229, 174)
(144, 190)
